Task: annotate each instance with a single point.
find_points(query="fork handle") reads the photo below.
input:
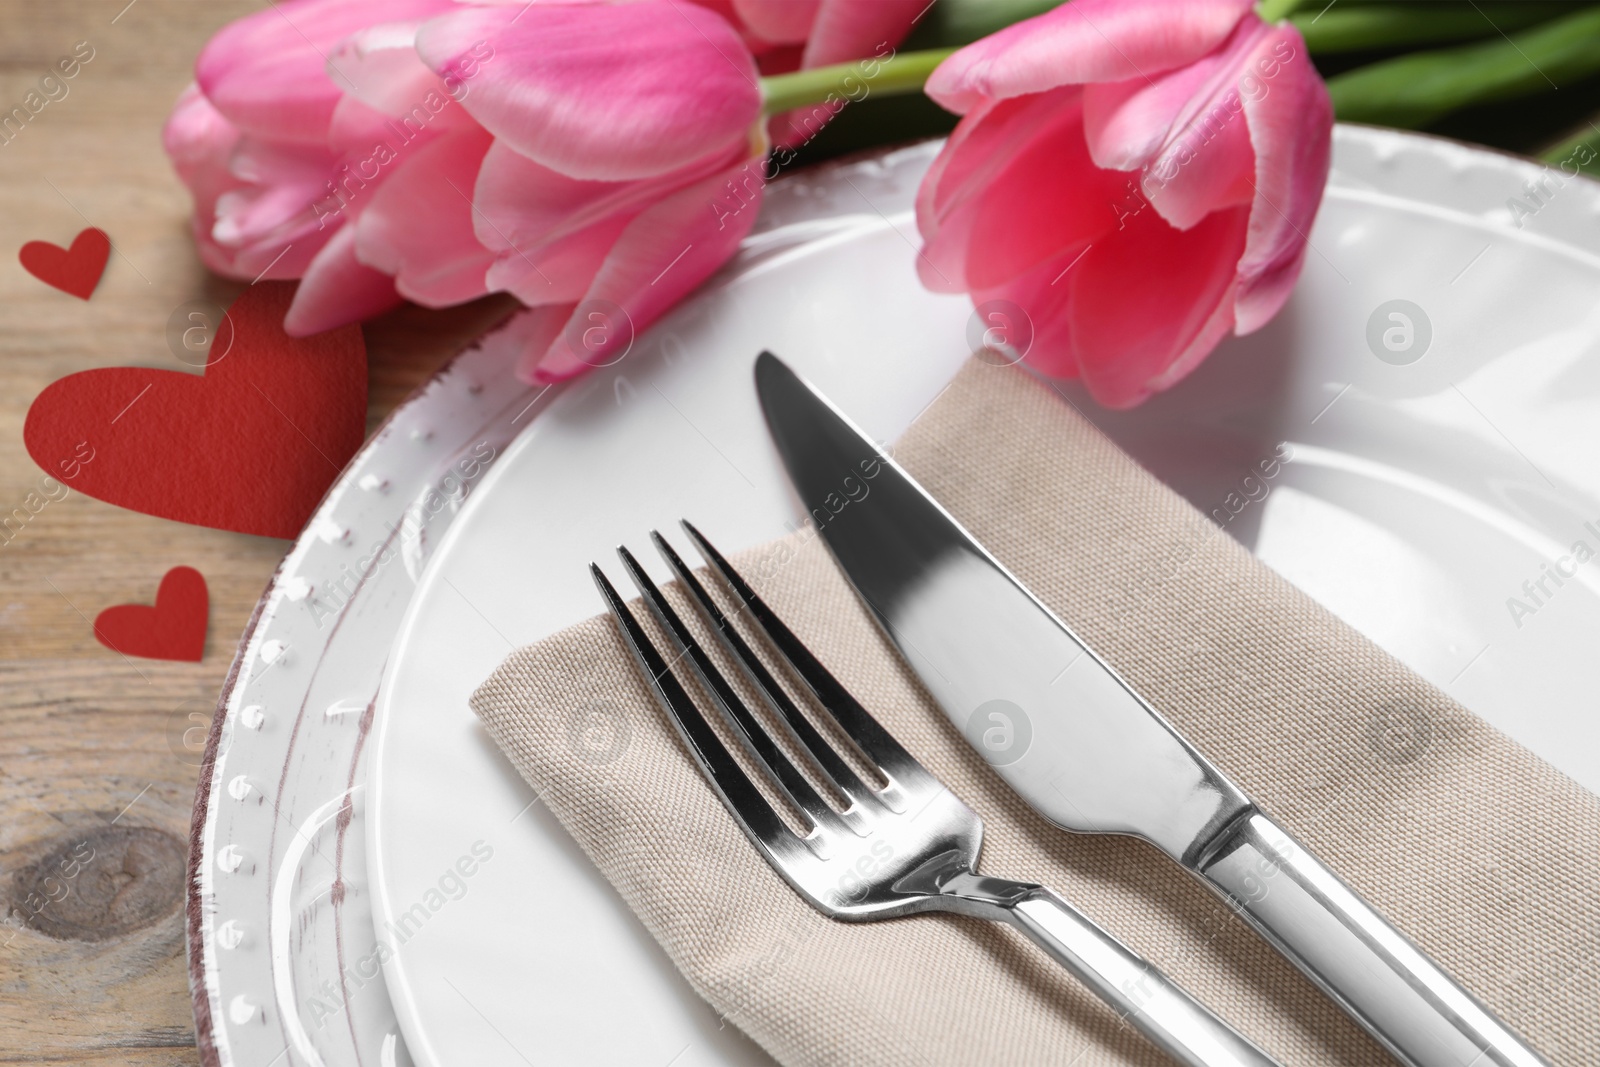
(1145, 998)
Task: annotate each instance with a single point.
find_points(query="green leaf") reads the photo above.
(1412, 91)
(1381, 27)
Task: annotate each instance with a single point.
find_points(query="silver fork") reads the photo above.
(880, 851)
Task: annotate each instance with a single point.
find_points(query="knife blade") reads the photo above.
(1088, 752)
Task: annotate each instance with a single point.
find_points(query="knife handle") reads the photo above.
(1367, 966)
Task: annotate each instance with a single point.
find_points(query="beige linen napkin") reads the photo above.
(1482, 853)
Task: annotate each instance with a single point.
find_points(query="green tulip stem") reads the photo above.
(891, 76)
(1276, 10)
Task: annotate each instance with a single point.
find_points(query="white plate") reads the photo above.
(280, 932)
(1419, 497)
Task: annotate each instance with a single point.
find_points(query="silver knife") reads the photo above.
(1085, 750)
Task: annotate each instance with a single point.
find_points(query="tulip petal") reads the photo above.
(275, 201)
(1014, 187)
(771, 57)
(535, 330)
(550, 232)
(338, 289)
(1071, 203)
(257, 213)
(971, 155)
(1184, 129)
(523, 204)
(1129, 123)
(558, 272)
(393, 98)
(1210, 168)
(849, 29)
(355, 127)
(1044, 297)
(778, 21)
(1291, 129)
(793, 129)
(262, 162)
(199, 141)
(1207, 162)
(266, 72)
(418, 225)
(598, 91)
(379, 66)
(663, 254)
(1148, 303)
(1082, 42)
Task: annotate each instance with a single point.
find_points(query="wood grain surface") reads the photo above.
(99, 753)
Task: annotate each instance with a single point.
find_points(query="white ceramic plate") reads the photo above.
(280, 932)
(1430, 476)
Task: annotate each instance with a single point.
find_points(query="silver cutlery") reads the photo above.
(1097, 757)
(878, 851)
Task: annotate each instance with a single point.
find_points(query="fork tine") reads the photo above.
(876, 743)
(786, 776)
(739, 795)
(843, 775)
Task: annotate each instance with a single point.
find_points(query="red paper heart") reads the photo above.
(74, 270)
(250, 446)
(174, 629)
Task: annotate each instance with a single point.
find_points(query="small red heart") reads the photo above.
(249, 446)
(174, 629)
(74, 270)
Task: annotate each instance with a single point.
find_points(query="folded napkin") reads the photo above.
(1482, 853)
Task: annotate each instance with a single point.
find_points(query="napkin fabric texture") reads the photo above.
(1479, 851)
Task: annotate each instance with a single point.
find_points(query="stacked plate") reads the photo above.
(1412, 441)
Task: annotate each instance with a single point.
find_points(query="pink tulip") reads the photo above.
(267, 140)
(593, 159)
(615, 129)
(1137, 176)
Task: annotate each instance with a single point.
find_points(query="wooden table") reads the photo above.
(98, 753)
